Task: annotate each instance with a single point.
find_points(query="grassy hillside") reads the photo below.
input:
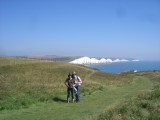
(19, 60)
(35, 89)
(56, 58)
(144, 106)
(41, 80)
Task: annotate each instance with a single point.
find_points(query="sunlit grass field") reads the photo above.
(34, 89)
(19, 60)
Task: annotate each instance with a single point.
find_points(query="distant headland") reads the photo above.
(88, 60)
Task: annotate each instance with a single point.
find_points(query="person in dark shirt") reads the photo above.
(70, 83)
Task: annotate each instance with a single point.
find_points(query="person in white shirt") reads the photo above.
(78, 83)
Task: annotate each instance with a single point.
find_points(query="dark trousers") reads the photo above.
(70, 91)
(78, 93)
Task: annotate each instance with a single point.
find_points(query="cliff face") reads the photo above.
(87, 60)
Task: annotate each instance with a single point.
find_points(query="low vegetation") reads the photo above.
(146, 106)
(33, 81)
(5, 61)
(33, 84)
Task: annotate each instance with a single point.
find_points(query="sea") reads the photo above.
(118, 67)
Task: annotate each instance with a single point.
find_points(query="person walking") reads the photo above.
(78, 83)
(70, 83)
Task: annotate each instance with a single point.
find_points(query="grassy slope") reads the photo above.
(145, 106)
(56, 58)
(37, 91)
(14, 61)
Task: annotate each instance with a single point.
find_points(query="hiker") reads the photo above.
(70, 83)
(78, 83)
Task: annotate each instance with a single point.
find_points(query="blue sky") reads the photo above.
(94, 28)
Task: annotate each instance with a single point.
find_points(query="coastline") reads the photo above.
(118, 67)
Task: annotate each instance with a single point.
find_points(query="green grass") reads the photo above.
(36, 91)
(19, 60)
(144, 107)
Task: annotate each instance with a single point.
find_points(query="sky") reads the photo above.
(93, 28)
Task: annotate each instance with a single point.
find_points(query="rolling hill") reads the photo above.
(34, 89)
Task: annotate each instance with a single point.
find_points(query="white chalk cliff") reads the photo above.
(87, 60)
